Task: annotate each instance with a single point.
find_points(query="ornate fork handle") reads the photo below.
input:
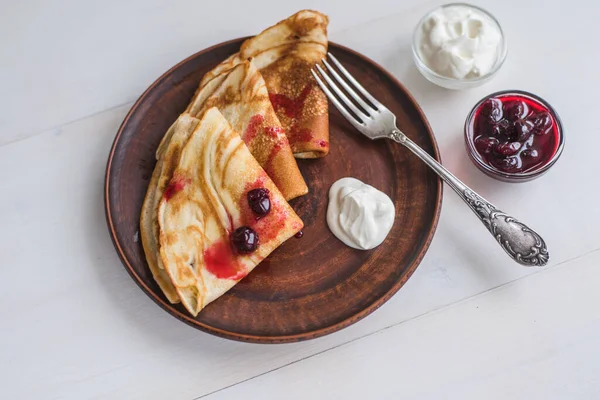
(375, 121)
(519, 241)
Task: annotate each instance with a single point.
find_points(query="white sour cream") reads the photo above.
(460, 42)
(358, 214)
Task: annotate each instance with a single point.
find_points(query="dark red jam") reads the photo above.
(222, 262)
(177, 184)
(259, 201)
(514, 133)
(245, 239)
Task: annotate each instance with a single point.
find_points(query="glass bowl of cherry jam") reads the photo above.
(513, 136)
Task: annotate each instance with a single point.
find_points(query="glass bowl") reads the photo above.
(449, 82)
(555, 142)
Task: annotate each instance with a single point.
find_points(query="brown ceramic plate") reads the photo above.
(311, 286)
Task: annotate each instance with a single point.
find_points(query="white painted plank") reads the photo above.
(536, 338)
(80, 328)
(65, 60)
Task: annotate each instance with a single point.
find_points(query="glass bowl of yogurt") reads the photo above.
(458, 46)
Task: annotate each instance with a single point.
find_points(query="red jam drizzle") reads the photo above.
(297, 226)
(253, 128)
(301, 135)
(274, 131)
(176, 185)
(269, 226)
(293, 108)
(222, 263)
(221, 259)
(323, 143)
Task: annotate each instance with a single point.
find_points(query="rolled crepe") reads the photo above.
(285, 54)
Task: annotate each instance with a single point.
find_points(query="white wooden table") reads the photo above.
(469, 324)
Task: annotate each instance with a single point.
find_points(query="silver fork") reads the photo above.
(375, 121)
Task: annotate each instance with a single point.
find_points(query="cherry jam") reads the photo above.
(514, 133)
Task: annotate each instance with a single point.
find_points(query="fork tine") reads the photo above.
(357, 124)
(367, 107)
(336, 89)
(357, 85)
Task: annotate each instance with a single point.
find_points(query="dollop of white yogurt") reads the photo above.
(358, 214)
(460, 42)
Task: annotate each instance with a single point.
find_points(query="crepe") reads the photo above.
(176, 136)
(285, 54)
(242, 97)
(205, 201)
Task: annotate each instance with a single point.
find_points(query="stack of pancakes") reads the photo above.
(251, 116)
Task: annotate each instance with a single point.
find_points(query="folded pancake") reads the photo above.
(241, 96)
(224, 66)
(285, 54)
(173, 141)
(205, 201)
